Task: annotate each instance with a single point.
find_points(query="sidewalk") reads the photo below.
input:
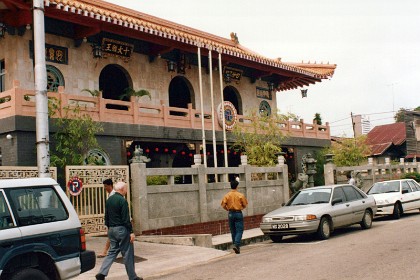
(153, 259)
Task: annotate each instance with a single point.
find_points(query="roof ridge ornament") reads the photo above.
(234, 38)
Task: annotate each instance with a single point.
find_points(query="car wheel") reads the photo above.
(367, 220)
(29, 273)
(397, 211)
(276, 238)
(324, 229)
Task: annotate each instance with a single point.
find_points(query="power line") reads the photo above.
(369, 114)
(340, 120)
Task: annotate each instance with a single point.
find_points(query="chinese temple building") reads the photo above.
(97, 47)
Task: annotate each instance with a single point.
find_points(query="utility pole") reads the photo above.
(41, 97)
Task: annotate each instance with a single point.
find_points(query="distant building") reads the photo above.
(412, 126)
(361, 125)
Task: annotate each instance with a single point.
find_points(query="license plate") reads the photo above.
(280, 226)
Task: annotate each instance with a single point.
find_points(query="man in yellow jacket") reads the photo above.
(235, 202)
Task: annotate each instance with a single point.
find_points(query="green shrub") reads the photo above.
(413, 175)
(157, 180)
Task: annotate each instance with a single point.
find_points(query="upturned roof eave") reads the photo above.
(141, 22)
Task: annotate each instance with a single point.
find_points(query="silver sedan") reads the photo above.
(320, 210)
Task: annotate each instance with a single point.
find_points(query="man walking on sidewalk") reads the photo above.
(120, 233)
(109, 188)
(235, 202)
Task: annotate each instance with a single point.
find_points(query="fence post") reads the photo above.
(202, 193)
(286, 190)
(329, 168)
(140, 204)
(247, 184)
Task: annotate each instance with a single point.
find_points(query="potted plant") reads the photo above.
(128, 92)
(94, 93)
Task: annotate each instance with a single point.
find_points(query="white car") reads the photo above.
(396, 196)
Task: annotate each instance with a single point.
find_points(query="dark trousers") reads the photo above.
(236, 226)
(120, 242)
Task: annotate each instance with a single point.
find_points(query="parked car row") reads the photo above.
(322, 209)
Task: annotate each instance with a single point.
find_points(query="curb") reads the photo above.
(245, 241)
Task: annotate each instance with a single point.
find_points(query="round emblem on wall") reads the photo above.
(229, 113)
(75, 186)
(96, 157)
(265, 109)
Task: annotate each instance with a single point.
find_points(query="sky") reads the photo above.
(374, 43)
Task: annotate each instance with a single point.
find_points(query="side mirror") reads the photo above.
(404, 191)
(336, 200)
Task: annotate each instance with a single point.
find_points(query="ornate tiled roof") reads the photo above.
(107, 12)
(100, 15)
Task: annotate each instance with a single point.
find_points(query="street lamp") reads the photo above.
(96, 50)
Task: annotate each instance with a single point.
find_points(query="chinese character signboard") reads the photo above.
(264, 93)
(53, 53)
(56, 54)
(231, 74)
(116, 48)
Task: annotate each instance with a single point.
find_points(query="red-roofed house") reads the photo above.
(388, 141)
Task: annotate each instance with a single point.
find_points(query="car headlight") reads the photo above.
(267, 219)
(305, 217)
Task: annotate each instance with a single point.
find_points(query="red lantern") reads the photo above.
(235, 153)
(222, 151)
(208, 153)
(228, 151)
(190, 154)
(174, 151)
(183, 153)
(128, 154)
(157, 149)
(147, 150)
(166, 150)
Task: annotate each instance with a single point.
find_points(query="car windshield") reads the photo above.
(385, 187)
(313, 196)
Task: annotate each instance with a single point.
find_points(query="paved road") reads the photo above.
(389, 250)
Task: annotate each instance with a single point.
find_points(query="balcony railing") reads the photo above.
(21, 102)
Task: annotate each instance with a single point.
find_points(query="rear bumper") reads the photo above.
(87, 261)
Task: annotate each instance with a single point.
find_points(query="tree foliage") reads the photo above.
(318, 119)
(260, 139)
(399, 116)
(74, 137)
(349, 151)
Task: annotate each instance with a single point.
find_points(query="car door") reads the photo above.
(409, 196)
(340, 212)
(10, 234)
(416, 193)
(357, 204)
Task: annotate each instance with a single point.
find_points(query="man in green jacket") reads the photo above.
(120, 233)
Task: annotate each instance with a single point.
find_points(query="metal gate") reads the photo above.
(90, 202)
